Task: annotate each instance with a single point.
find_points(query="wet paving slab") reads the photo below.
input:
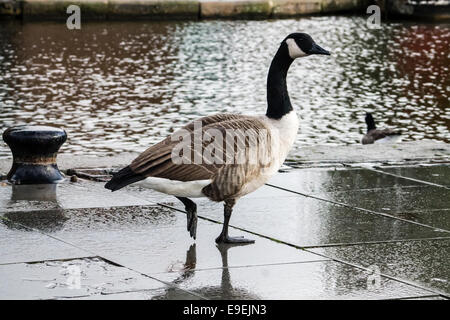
(438, 174)
(303, 221)
(19, 244)
(76, 278)
(166, 293)
(91, 220)
(424, 262)
(68, 195)
(82, 219)
(309, 280)
(312, 181)
(428, 205)
(378, 192)
(158, 237)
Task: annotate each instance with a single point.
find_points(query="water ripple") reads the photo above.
(122, 86)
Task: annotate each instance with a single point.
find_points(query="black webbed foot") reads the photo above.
(233, 240)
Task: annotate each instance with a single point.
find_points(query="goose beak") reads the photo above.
(316, 49)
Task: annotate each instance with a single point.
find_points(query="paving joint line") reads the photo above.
(407, 282)
(407, 178)
(237, 228)
(344, 244)
(372, 189)
(303, 247)
(247, 266)
(169, 284)
(322, 255)
(208, 219)
(154, 204)
(325, 256)
(49, 260)
(358, 208)
(106, 294)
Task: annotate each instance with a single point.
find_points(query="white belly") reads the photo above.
(389, 139)
(191, 189)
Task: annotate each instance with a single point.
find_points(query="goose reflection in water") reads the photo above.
(224, 291)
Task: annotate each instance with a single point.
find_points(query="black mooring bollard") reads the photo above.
(34, 150)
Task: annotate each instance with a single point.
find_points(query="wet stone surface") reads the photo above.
(424, 262)
(82, 224)
(403, 198)
(96, 219)
(168, 293)
(331, 180)
(18, 244)
(314, 280)
(424, 204)
(310, 222)
(434, 174)
(72, 278)
(66, 195)
(158, 236)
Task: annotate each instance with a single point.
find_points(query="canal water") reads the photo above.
(121, 86)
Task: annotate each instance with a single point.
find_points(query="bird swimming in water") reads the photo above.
(225, 156)
(375, 135)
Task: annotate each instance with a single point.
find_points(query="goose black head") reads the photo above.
(301, 45)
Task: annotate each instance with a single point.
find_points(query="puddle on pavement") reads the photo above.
(169, 293)
(72, 278)
(434, 173)
(69, 195)
(309, 222)
(424, 262)
(423, 204)
(156, 248)
(18, 244)
(402, 198)
(100, 219)
(310, 280)
(332, 180)
(154, 240)
(42, 220)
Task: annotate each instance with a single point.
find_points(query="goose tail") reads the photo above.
(123, 178)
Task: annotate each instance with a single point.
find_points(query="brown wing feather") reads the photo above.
(156, 161)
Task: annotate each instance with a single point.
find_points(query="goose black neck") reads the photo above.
(278, 103)
(370, 122)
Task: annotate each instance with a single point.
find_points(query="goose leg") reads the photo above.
(191, 210)
(223, 237)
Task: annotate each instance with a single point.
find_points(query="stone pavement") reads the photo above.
(377, 232)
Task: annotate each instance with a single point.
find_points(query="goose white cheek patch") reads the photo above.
(294, 49)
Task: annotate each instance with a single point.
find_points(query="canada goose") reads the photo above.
(247, 165)
(378, 135)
